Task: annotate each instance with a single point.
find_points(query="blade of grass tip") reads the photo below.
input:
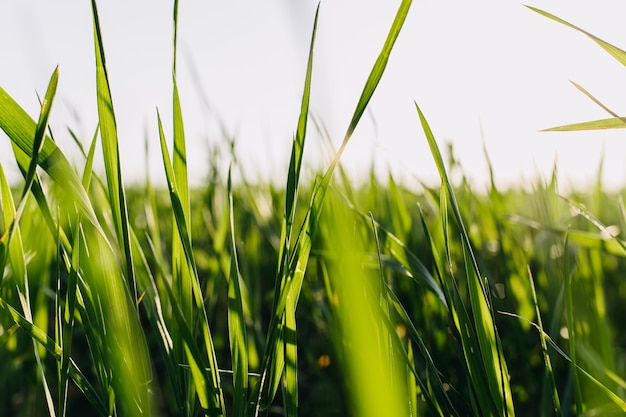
(298, 260)
(556, 402)
(40, 132)
(616, 122)
(614, 51)
(216, 396)
(236, 321)
(20, 128)
(110, 148)
(38, 141)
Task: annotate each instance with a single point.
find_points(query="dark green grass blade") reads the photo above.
(236, 322)
(292, 281)
(488, 342)
(110, 148)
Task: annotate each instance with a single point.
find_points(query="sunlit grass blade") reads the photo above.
(110, 148)
(613, 123)
(236, 322)
(290, 386)
(370, 363)
(614, 51)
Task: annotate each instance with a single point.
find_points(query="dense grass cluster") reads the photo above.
(326, 298)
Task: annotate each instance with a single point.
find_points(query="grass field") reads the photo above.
(320, 296)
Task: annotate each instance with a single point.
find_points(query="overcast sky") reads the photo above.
(489, 72)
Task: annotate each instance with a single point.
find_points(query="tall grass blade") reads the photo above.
(42, 338)
(291, 280)
(208, 389)
(110, 148)
(488, 342)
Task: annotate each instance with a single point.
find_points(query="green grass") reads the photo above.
(313, 297)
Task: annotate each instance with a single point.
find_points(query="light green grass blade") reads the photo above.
(614, 51)
(110, 148)
(379, 67)
(602, 124)
(236, 322)
(489, 344)
(290, 386)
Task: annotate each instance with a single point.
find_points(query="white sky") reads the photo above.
(489, 64)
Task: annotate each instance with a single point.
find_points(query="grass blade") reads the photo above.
(488, 342)
(291, 281)
(110, 148)
(614, 51)
(236, 322)
(213, 398)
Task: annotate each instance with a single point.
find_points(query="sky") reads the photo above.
(488, 75)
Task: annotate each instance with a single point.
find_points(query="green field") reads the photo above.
(318, 296)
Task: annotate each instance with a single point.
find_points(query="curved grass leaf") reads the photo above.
(614, 51)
